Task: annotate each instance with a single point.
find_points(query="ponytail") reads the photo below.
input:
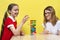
(5, 16)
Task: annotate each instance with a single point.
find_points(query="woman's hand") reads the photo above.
(58, 32)
(46, 32)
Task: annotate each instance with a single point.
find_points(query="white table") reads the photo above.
(37, 37)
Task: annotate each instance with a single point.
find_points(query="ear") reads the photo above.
(9, 11)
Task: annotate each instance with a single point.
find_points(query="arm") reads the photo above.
(17, 30)
(46, 29)
(58, 25)
(46, 32)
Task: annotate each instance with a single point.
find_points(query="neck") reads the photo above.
(50, 20)
(12, 16)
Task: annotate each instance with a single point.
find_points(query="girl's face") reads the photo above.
(14, 11)
(48, 14)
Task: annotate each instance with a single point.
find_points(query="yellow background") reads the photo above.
(33, 8)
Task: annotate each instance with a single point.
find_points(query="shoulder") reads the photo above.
(46, 24)
(8, 20)
(58, 22)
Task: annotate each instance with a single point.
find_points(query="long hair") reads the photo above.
(53, 15)
(6, 15)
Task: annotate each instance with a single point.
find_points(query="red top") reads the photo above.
(7, 33)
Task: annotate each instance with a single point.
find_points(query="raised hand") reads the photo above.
(25, 19)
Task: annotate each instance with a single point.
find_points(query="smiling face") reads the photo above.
(48, 14)
(14, 11)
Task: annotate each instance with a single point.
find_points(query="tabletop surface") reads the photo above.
(37, 37)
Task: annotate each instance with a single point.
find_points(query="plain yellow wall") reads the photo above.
(33, 8)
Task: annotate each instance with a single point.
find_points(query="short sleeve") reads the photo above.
(43, 25)
(47, 26)
(9, 23)
(58, 25)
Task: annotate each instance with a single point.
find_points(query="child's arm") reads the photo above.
(17, 30)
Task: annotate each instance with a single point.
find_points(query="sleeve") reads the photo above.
(58, 26)
(47, 27)
(43, 25)
(9, 23)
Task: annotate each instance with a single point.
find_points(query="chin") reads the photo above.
(48, 19)
(15, 15)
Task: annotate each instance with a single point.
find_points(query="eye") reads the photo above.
(16, 10)
(45, 13)
(48, 13)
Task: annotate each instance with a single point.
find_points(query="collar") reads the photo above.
(12, 18)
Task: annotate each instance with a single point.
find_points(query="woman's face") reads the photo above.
(14, 11)
(48, 14)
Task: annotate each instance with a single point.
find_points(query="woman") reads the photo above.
(51, 22)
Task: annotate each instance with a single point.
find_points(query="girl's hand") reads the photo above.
(25, 19)
(21, 33)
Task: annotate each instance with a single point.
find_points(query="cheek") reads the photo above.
(13, 11)
(48, 16)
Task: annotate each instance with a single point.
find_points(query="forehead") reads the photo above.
(15, 7)
(47, 11)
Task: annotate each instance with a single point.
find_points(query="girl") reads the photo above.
(51, 22)
(10, 24)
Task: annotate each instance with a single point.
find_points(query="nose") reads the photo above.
(47, 15)
(17, 11)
